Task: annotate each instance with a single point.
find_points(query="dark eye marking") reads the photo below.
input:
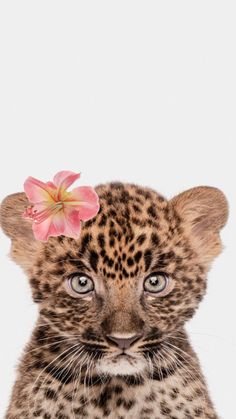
(85, 242)
(137, 256)
(79, 264)
(58, 272)
(93, 260)
(147, 258)
(164, 259)
(101, 240)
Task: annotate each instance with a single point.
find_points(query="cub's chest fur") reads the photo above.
(170, 397)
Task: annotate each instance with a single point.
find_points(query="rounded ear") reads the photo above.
(17, 228)
(203, 211)
(11, 217)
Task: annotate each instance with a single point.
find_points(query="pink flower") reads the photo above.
(56, 211)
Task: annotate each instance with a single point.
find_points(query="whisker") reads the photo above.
(57, 368)
(75, 357)
(41, 372)
(49, 344)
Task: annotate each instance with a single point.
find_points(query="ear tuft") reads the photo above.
(204, 212)
(203, 205)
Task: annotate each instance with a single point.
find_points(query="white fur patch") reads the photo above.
(121, 365)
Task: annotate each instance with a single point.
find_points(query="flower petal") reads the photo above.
(43, 215)
(37, 191)
(40, 211)
(59, 223)
(88, 202)
(65, 178)
(72, 223)
(43, 230)
(66, 222)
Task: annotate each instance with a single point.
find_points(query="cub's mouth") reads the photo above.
(121, 363)
(123, 355)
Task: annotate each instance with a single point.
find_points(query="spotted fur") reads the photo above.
(68, 369)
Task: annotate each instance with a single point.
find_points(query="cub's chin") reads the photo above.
(121, 365)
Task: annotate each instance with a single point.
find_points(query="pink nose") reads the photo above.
(123, 343)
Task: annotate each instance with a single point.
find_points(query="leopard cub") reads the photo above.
(110, 340)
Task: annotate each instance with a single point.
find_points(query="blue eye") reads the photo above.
(81, 284)
(156, 283)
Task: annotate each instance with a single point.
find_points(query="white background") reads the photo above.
(135, 91)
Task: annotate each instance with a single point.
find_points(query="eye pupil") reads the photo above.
(154, 280)
(83, 281)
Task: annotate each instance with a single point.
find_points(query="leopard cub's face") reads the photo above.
(134, 277)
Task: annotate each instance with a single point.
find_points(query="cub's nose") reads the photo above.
(123, 341)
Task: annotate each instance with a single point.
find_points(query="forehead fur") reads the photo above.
(131, 224)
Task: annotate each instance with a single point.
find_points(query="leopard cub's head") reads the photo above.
(135, 276)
